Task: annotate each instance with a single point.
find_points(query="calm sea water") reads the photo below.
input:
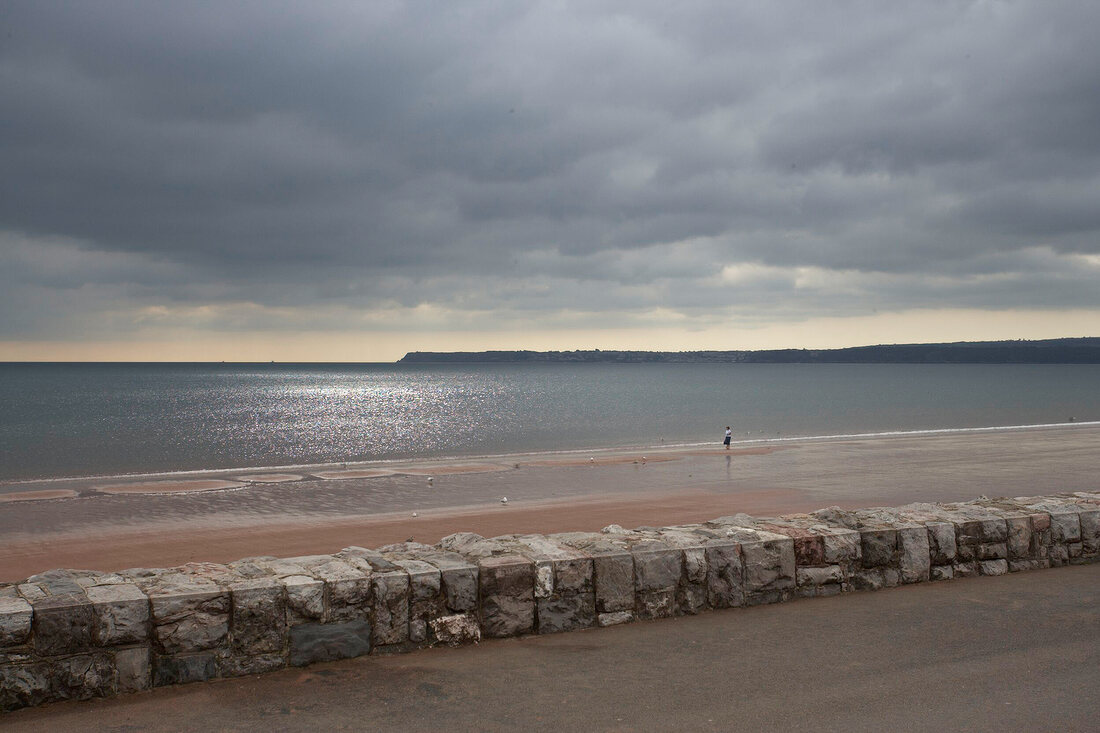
(94, 419)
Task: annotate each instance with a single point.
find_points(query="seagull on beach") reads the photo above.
(415, 514)
(430, 480)
(504, 500)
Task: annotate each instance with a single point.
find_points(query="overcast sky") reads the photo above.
(349, 181)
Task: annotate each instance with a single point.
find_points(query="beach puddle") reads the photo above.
(169, 487)
(352, 473)
(445, 470)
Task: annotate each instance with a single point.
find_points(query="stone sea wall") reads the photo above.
(79, 634)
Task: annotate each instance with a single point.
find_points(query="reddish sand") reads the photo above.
(602, 460)
(166, 546)
(38, 495)
(271, 478)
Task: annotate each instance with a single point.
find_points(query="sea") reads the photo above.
(92, 419)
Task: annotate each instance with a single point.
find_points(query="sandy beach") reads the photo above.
(153, 521)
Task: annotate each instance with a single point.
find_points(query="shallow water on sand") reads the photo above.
(103, 419)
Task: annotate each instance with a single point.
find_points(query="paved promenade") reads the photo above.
(1014, 653)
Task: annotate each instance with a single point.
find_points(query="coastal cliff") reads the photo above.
(1049, 351)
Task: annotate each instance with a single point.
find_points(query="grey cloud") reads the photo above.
(497, 158)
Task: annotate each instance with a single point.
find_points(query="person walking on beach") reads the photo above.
(729, 436)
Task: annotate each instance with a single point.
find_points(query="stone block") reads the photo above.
(15, 619)
(347, 591)
(83, 677)
(879, 547)
(725, 580)
(1019, 543)
(991, 551)
(1090, 531)
(24, 685)
(842, 547)
(941, 572)
(235, 664)
(1065, 527)
(966, 569)
(258, 621)
(507, 595)
(311, 643)
(456, 629)
(426, 601)
(1016, 566)
(809, 550)
(178, 669)
(135, 669)
(566, 612)
(875, 578)
(615, 618)
(458, 580)
(993, 567)
(942, 548)
(981, 531)
(830, 574)
(913, 554)
(122, 614)
(656, 579)
(390, 607)
(305, 599)
(768, 565)
(63, 625)
(187, 620)
(613, 577)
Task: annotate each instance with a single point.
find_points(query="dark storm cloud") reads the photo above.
(520, 161)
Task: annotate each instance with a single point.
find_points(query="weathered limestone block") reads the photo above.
(942, 572)
(15, 618)
(876, 578)
(507, 584)
(189, 614)
(942, 549)
(843, 547)
(564, 589)
(311, 643)
(1065, 527)
(725, 575)
(769, 569)
(390, 606)
(347, 588)
(993, 567)
(63, 624)
(122, 614)
(305, 599)
(83, 677)
(612, 569)
(879, 546)
(1016, 566)
(458, 579)
(818, 576)
(230, 663)
(456, 630)
(135, 669)
(969, 569)
(258, 621)
(178, 669)
(1090, 531)
(615, 618)
(914, 558)
(426, 600)
(24, 685)
(656, 579)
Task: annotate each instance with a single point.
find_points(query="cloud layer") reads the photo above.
(488, 165)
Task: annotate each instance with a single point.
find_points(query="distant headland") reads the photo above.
(1049, 351)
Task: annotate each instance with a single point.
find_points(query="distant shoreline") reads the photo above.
(1049, 351)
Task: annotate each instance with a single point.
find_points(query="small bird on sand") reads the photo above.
(415, 514)
(430, 481)
(504, 500)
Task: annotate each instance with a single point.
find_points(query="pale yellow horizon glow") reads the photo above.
(918, 326)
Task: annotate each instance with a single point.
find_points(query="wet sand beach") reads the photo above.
(150, 521)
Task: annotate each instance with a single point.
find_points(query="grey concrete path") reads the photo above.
(1014, 653)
